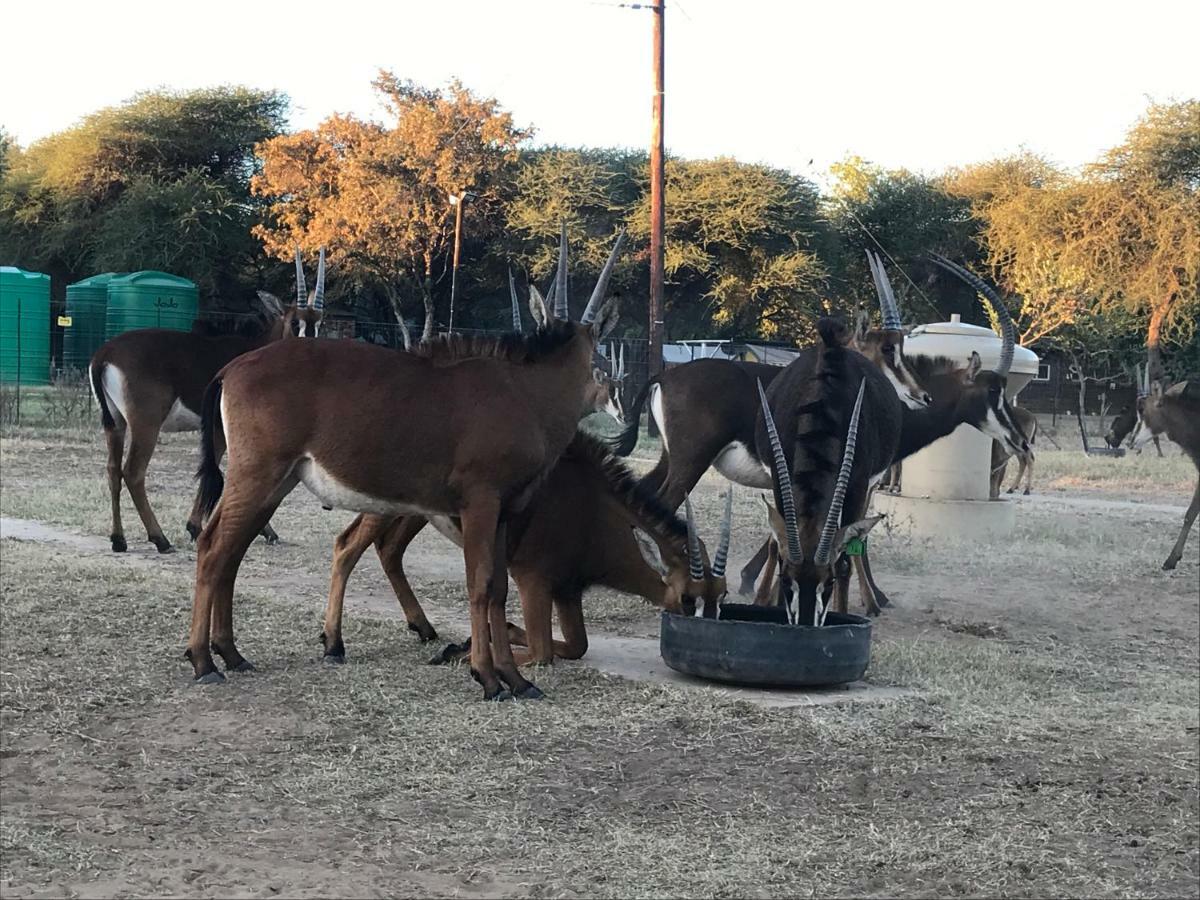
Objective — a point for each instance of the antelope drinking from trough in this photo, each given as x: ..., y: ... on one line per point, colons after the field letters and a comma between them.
x: 576, y: 532
x: 461, y: 427
x: 1175, y: 412
x: 152, y: 380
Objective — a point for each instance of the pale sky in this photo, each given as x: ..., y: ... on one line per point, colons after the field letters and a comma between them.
x: 918, y: 84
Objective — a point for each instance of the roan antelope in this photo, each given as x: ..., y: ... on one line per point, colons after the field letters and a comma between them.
x: 479, y: 423
x: 577, y: 532
x: 1175, y: 412
x: 152, y: 380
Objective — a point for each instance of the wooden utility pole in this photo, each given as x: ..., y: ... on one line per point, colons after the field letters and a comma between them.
x: 457, y: 200
x: 657, y: 221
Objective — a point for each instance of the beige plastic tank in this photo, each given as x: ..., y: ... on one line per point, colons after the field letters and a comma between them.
x: 945, y: 486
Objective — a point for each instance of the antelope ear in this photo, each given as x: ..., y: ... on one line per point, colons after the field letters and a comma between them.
x: 650, y: 552
x: 974, y: 365
x: 537, y: 307
x: 856, y: 530
x: 271, y: 303
x: 598, y: 375
x: 778, y: 526
x: 606, y: 320
x: 1176, y: 390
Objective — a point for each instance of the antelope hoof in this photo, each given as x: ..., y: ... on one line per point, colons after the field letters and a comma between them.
x: 424, y: 631
x: 163, y: 545
x: 334, y: 648
x: 498, y: 696
x: 244, y: 666
x: 452, y: 653
x: 1170, y: 564
x: 530, y: 692
x: 1026, y: 492
x: 271, y: 538
x: 334, y: 659
x: 193, y: 531
x: 213, y: 677
x: 118, y: 543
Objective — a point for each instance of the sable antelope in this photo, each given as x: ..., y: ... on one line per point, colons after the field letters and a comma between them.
x: 152, y: 380
x: 576, y: 532
x: 1001, y: 453
x: 479, y: 424
x: 1175, y: 412
x: 961, y: 396
x: 706, y: 410
x: 819, y: 504
x: 1126, y: 420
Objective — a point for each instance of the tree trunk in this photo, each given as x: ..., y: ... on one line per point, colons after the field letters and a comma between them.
x: 427, y: 296
x: 1153, y: 333
x: 1078, y: 370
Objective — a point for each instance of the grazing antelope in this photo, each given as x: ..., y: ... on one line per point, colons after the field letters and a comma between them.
x: 1175, y: 412
x: 479, y: 424
x: 152, y: 380
x: 1001, y: 453
x: 706, y: 410
x: 819, y: 503
x: 576, y: 532
x: 1126, y: 420
x: 961, y: 396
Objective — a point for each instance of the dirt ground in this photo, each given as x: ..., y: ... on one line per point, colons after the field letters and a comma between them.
x: 1050, y: 746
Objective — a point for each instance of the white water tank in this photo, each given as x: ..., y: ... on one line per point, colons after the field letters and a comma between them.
x: 946, y: 485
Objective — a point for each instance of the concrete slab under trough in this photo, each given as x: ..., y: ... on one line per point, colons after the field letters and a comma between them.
x: 639, y: 659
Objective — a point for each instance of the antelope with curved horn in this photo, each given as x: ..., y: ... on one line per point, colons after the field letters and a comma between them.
x: 152, y: 380
x: 578, y: 531
x: 479, y: 424
x: 1175, y: 412
x: 1124, y: 423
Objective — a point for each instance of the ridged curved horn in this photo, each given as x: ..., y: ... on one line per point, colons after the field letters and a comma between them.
x: 1008, y: 331
x: 888, y: 306
x: 718, y: 567
x: 561, y: 308
x: 834, y: 519
x: 695, y: 563
x: 516, y: 304
x: 621, y: 366
x: 301, y: 287
x: 795, y: 554
x: 593, y: 305
x: 318, y: 303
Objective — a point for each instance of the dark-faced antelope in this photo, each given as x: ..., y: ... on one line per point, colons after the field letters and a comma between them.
x: 707, y: 410
x: 152, y: 380
x: 1125, y: 421
x: 1002, y: 453
x: 577, y: 532
x: 839, y: 424
x: 1175, y: 412
x: 461, y: 427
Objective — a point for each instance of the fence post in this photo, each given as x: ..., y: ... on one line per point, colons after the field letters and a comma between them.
x: 18, y: 360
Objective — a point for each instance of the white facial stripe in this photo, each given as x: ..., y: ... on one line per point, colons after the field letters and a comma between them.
x: 615, y: 411
x: 902, y: 391
x: 303, y: 327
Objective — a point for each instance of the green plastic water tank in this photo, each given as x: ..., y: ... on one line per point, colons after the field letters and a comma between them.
x: 150, y: 300
x: 24, y: 326
x: 87, y: 301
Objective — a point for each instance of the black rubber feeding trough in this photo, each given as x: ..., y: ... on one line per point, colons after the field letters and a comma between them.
x: 755, y: 645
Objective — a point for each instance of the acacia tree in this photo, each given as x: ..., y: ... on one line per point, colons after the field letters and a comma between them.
x: 377, y: 195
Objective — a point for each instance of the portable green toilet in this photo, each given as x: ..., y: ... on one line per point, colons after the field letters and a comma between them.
x: 86, y: 304
x: 24, y: 326
x: 150, y: 300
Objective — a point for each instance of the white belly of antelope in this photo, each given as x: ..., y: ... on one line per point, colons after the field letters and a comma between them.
x: 737, y: 464
x: 336, y: 495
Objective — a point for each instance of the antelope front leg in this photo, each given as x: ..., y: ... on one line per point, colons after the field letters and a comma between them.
x: 1188, y: 518
x: 751, y: 570
x: 505, y: 662
x: 764, y: 596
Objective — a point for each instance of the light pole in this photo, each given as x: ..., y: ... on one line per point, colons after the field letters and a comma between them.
x: 457, y: 201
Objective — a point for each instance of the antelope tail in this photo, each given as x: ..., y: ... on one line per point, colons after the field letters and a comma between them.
x: 106, y: 417
x: 212, y: 482
x: 623, y: 443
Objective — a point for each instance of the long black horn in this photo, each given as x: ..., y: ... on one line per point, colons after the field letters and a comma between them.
x: 561, y: 308
x: 833, y: 520
x: 795, y: 554
x: 594, y: 301
x: 301, y: 287
x: 319, y: 291
x: 1008, y: 331
x: 695, y: 563
x: 718, y: 567
x: 516, y: 304
x: 887, y: 297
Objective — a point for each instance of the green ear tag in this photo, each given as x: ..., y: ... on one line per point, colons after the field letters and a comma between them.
x: 855, y: 547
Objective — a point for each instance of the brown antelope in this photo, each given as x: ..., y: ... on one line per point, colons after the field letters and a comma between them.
x: 1001, y: 453
x: 706, y: 410
x: 1175, y: 412
x: 152, y: 380
x: 576, y: 532
x: 479, y: 424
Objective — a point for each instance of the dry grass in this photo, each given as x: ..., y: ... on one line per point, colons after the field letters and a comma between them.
x: 1051, y: 750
